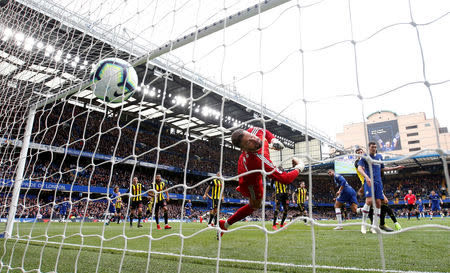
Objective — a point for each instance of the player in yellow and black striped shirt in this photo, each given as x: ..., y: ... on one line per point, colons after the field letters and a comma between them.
x: 281, y: 199
x: 151, y: 200
x: 215, y: 186
x: 118, y: 205
x: 137, y: 191
x: 360, y: 176
x: 300, y: 196
x: 161, y: 199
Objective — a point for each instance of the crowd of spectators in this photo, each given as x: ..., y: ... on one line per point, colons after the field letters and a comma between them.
x: 31, y: 206
x: 84, y: 130
x: 34, y: 207
x: 102, y: 175
x: 90, y: 131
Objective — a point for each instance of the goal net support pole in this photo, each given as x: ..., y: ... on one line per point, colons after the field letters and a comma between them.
x: 19, y: 173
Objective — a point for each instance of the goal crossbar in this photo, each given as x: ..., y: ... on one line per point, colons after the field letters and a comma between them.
x: 179, y: 42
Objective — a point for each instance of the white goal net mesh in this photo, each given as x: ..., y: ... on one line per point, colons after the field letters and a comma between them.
x: 303, y: 70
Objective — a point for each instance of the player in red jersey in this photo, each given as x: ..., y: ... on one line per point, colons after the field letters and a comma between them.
x: 254, y: 144
x: 410, y: 201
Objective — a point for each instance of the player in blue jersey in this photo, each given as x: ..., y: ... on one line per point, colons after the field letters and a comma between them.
x: 434, y: 203
x: 345, y: 194
x: 420, y: 212
x: 377, y: 168
x: 113, y: 209
x: 187, y: 210
x: 64, y: 209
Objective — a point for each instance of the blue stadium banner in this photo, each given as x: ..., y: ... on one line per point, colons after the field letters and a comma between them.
x: 26, y: 184
x: 60, y: 150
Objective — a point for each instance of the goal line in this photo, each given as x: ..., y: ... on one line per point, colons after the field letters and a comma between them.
x: 340, y: 268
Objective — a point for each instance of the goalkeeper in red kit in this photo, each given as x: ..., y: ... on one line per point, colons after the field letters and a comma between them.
x: 254, y: 144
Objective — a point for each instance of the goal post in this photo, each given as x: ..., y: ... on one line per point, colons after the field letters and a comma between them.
x: 19, y: 172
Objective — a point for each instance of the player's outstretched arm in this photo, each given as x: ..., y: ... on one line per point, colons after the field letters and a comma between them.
x: 393, y: 168
x: 206, y: 192
x: 167, y: 193
x: 280, y: 176
x: 367, y: 178
x: 298, y: 164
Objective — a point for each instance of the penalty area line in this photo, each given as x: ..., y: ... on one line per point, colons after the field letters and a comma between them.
x: 340, y: 268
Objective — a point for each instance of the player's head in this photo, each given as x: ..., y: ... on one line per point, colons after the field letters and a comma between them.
x: 135, y: 180
x: 331, y: 172
x: 372, y: 148
x: 420, y: 200
x: 410, y: 191
x: 302, y: 184
x: 359, y: 151
x: 158, y: 178
x: 218, y: 174
x: 246, y: 141
x: 116, y: 189
x: 433, y: 192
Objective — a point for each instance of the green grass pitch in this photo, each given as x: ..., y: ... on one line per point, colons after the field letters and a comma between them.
x: 426, y: 249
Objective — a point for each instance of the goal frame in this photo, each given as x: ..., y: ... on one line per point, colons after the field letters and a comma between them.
x: 167, y: 47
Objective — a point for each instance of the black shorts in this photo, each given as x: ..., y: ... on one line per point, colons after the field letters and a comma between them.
x: 215, y: 203
x: 410, y: 207
x: 149, y: 211
x: 136, y: 204
x: 161, y: 204
x: 118, y: 210
x: 301, y: 207
x: 282, y: 199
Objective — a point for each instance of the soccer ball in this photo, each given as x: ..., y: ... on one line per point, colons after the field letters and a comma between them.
x: 114, y: 80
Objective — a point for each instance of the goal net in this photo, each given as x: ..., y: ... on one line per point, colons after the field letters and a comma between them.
x: 302, y: 70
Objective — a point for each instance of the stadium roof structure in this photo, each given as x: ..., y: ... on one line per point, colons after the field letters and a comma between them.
x: 69, y: 45
x: 382, y: 111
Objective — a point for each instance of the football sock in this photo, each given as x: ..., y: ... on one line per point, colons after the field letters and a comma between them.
x: 376, y: 216
x: 284, y: 218
x: 210, y: 218
x: 390, y: 213
x: 239, y: 215
x: 365, y: 212
x: 166, y: 217
x: 338, y: 215
x: 384, y: 209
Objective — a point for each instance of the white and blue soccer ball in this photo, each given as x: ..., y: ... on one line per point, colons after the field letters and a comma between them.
x: 114, y: 80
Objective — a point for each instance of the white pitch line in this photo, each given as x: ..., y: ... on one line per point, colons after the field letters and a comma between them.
x: 342, y: 268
